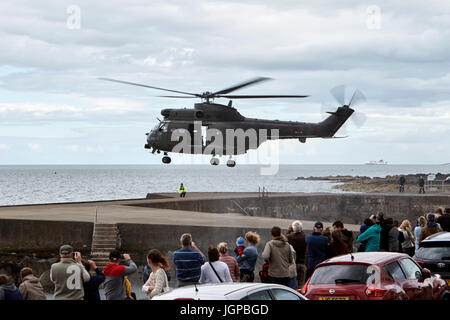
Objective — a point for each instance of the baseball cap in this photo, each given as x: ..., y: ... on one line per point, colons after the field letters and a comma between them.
x: 66, y: 249
x: 240, y: 242
x: 318, y: 225
x: 115, y: 255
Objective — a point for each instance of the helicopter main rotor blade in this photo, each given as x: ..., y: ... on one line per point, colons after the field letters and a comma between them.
x: 241, y: 85
x: 177, y: 96
x: 258, y: 96
x: 146, y: 86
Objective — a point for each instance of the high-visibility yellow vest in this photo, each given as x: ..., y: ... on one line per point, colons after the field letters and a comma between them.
x: 181, y: 190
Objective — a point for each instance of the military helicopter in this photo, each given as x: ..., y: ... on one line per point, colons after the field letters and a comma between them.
x: 218, y: 120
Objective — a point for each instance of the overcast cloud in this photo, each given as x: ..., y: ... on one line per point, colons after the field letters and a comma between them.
x: 53, y: 110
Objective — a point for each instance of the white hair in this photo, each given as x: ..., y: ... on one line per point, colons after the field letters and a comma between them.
x: 297, y: 226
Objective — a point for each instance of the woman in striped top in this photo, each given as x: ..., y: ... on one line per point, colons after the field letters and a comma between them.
x: 229, y: 260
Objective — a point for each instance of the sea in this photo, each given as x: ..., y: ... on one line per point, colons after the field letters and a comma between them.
x: 37, y: 184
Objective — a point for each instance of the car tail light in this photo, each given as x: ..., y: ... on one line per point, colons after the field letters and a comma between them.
x: 305, y: 288
x: 371, y: 291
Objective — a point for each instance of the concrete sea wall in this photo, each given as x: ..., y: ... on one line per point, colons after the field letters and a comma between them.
x: 349, y: 207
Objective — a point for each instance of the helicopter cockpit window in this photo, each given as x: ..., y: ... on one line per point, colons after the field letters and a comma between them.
x: 163, y: 126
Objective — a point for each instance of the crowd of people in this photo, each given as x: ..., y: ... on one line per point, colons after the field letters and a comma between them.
x: 289, y: 259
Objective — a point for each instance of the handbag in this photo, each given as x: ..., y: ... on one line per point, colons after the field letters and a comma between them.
x: 215, y: 272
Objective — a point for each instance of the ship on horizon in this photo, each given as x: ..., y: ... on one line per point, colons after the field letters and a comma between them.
x: 374, y: 162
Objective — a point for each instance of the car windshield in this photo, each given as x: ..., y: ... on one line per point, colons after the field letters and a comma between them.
x: 433, y: 253
x: 340, y: 274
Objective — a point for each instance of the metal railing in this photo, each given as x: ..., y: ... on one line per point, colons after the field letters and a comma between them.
x: 263, y: 192
x: 437, y: 185
x: 243, y: 210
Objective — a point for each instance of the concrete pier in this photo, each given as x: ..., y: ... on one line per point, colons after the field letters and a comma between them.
x: 159, y: 220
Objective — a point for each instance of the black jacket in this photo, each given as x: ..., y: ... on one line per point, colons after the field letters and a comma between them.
x: 444, y: 221
x: 91, y: 287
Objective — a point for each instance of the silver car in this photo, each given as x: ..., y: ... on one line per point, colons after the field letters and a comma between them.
x: 232, y: 291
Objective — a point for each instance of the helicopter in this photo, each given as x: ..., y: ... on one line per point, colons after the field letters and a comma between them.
x: 183, y: 130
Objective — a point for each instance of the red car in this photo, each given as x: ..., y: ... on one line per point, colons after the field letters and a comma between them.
x: 374, y: 276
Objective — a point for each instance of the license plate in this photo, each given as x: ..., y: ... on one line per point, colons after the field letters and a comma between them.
x: 334, y: 298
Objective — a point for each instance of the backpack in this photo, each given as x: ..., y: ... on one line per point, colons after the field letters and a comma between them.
x: 264, y: 273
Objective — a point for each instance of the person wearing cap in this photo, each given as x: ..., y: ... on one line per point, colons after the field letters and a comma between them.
x: 240, y: 246
x: 115, y: 274
x: 68, y: 275
x: 316, y: 248
x: 372, y: 235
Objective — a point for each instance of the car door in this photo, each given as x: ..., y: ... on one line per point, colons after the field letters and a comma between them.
x: 414, y: 285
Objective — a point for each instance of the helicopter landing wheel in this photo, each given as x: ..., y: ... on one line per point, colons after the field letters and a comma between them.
x: 231, y: 163
x: 214, y: 161
x: 166, y: 160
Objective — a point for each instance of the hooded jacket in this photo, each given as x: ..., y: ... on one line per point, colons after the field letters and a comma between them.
x: 11, y: 292
x: 114, y: 279
x: 372, y: 236
x: 278, y: 253
x: 31, y: 288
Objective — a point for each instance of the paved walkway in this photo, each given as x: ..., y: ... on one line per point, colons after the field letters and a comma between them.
x: 122, y: 211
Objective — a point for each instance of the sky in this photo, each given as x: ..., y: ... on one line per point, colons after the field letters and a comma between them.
x: 54, y: 110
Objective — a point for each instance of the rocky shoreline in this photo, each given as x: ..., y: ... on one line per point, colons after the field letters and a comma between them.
x: 375, y: 184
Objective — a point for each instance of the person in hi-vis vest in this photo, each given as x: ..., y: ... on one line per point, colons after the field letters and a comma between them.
x: 182, y: 191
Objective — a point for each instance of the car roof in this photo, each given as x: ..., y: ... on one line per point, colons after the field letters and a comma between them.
x: 376, y: 257
x: 211, y: 289
x: 440, y: 236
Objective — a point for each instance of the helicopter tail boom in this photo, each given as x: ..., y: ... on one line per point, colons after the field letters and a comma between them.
x: 335, y: 121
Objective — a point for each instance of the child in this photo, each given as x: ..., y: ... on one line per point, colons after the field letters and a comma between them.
x: 239, y: 246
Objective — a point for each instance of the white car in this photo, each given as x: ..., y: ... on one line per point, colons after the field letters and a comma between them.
x: 232, y: 291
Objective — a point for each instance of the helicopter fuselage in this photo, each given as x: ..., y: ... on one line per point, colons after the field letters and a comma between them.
x: 211, y: 128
